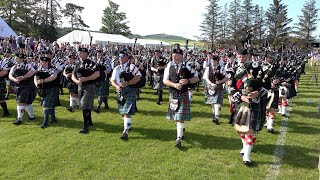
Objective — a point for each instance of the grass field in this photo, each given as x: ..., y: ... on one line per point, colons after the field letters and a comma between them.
x: 209, y: 151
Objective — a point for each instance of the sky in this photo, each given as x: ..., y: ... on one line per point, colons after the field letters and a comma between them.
x: 174, y: 17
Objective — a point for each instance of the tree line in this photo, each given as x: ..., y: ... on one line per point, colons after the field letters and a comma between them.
x: 42, y: 18
x: 230, y: 24
x: 225, y: 25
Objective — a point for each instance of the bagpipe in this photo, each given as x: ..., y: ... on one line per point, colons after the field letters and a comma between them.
x: 185, y: 73
x: 128, y: 74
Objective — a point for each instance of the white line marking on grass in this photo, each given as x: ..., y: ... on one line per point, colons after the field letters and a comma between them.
x: 274, y: 168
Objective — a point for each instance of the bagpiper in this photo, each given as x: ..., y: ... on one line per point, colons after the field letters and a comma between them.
x: 22, y: 74
x: 250, y: 99
x: 177, y: 76
x: 215, y: 77
x: 85, y: 75
x: 124, y: 78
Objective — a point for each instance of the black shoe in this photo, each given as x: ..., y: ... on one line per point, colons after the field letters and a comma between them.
x: 31, y: 119
x: 247, y: 163
x: 270, y: 131
x: 70, y: 109
x: 178, y: 143
x: 106, y: 107
x: 6, y: 98
x: 97, y: 110
x: 284, y: 115
x: 216, y: 121
x: 43, y: 126
x: 84, y: 131
x: 124, y: 136
x: 158, y: 102
x: 17, y: 122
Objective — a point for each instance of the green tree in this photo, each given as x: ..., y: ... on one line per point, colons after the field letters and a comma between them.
x: 72, y: 11
x: 278, y: 23
x: 307, y: 22
x: 247, y: 13
x: 114, y: 22
x: 234, y: 18
x: 259, y: 25
x: 211, y: 26
x: 37, y: 18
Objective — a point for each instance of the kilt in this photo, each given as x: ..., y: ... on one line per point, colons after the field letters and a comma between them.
x: 216, y: 98
x: 3, y: 90
x: 86, y: 93
x: 50, y: 100
x: 103, y: 89
x: 275, y: 101
x: 183, y: 111
x: 258, y: 113
x: 291, y: 91
x: 73, y: 88
x: 26, y: 94
x: 129, y: 107
x: 158, y: 82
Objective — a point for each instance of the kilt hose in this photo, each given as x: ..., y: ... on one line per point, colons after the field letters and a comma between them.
x: 217, y: 98
x: 50, y: 100
x: 26, y: 94
x: 129, y: 106
x: 86, y: 93
x: 183, y: 111
x: 3, y: 90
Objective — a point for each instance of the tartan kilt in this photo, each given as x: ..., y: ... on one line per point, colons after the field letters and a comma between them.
x: 86, y: 93
x: 72, y: 88
x: 158, y: 82
x: 291, y: 91
x: 129, y: 107
x: 26, y: 94
x: 51, y: 98
x: 214, y: 99
x: 3, y: 90
x: 183, y: 111
x: 103, y: 89
x: 258, y: 113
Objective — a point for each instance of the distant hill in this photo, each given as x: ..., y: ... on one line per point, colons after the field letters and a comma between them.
x: 165, y: 36
x: 171, y: 39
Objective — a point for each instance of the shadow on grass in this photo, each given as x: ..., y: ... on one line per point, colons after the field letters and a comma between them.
x: 303, y: 160
x: 314, y: 114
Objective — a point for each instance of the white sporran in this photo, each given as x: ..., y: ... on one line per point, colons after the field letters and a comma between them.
x: 174, y: 104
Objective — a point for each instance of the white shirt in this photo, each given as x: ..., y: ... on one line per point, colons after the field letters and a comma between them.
x: 172, y: 63
x: 117, y: 70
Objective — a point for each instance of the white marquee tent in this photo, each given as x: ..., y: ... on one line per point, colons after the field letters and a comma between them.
x: 83, y: 37
x: 5, y: 29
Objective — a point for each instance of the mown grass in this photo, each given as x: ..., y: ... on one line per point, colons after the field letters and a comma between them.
x: 209, y: 151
